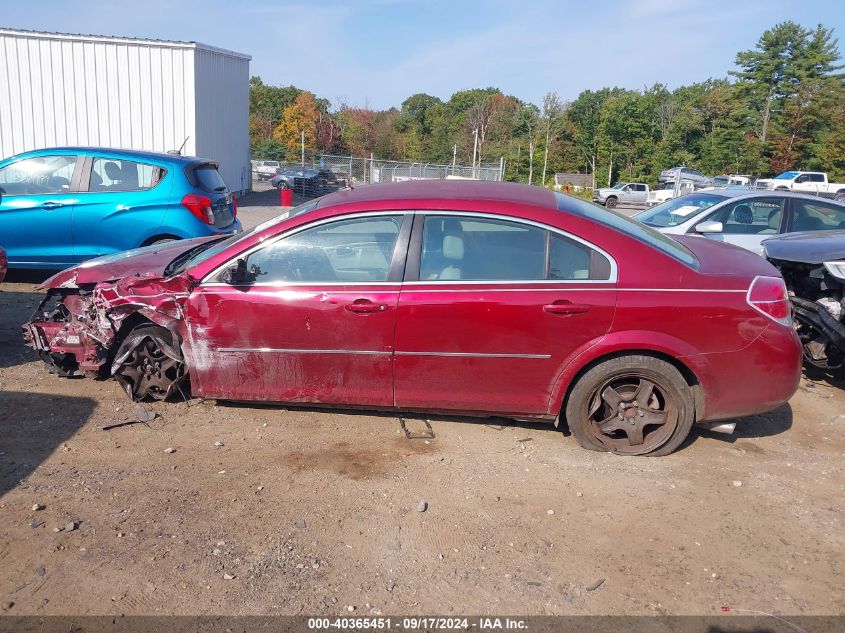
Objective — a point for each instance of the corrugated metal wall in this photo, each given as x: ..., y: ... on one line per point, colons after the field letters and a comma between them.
x: 58, y: 89
x: 222, y: 114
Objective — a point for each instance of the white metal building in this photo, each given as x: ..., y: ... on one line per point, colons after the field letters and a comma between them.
x: 59, y: 89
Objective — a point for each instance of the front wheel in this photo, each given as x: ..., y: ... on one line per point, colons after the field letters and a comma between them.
x: 149, y: 366
x: 631, y: 405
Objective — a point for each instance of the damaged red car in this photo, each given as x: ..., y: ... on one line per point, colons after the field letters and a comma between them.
x: 480, y: 298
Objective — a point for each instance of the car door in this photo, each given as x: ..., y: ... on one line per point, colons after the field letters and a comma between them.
x: 638, y: 194
x: 749, y: 221
x: 37, y: 196
x: 491, y: 310
x: 122, y: 201
x: 314, y: 320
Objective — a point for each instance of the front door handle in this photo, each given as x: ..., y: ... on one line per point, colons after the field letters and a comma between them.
x: 365, y: 306
x: 565, y: 307
x: 51, y: 204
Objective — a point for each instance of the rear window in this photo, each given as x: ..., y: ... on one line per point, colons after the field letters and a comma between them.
x: 208, y: 178
x: 626, y: 225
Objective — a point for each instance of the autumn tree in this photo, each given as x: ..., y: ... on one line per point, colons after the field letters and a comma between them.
x: 299, y: 117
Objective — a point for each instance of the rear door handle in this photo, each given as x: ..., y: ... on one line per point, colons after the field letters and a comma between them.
x: 365, y: 306
x: 565, y: 307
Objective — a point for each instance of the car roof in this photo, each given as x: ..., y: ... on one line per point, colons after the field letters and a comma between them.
x: 113, y: 152
x: 759, y: 193
x: 444, y: 190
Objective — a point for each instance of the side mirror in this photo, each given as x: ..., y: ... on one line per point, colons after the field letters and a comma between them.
x: 237, y: 275
x: 709, y: 226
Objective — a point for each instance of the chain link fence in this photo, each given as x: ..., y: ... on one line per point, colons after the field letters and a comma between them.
x: 323, y: 173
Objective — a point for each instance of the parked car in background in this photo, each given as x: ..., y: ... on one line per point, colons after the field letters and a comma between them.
x: 684, y: 173
x: 744, y: 217
x: 265, y: 169
x: 814, y: 182
x: 61, y: 206
x: 389, y: 292
x: 666, y: 191
x: 731, y: 180
x: 813, y: 266
x: 306, y: 181
x: 3, y: 264
x: 622, y: 193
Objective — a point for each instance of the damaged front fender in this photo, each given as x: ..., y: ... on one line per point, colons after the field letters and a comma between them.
x: 85, y: 329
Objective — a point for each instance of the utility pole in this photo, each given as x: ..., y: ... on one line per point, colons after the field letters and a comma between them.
x: 454, y: 157
x: 302, y: 144
x: 501, y: 168
x: 474, y: 150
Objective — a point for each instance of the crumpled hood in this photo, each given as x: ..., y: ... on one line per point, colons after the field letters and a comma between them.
x: 810, y: 247
x: 147, y: 261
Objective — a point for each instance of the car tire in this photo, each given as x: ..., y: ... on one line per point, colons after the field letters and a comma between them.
x: 163, y: 240
x: 611, y: 203
x: 604, y: 414
x: 149, y: 366
x: 840, y: 196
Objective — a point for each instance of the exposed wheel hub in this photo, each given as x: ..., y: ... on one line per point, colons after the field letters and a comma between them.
x: 631, y: 414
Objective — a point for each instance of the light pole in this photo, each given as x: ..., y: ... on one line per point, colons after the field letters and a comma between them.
x: 474, y: 150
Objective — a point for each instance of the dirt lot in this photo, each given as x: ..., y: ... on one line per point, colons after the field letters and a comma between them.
x: 268, y: 510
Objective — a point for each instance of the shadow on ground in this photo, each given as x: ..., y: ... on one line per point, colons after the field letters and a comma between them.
x: 752, y: 426
x: 32, y: 426
x: 15, y: 310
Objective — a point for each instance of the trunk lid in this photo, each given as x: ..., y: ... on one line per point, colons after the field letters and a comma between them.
x: 719, y: 258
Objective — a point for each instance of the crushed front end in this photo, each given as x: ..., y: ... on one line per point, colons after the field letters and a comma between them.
x: 131, y: 329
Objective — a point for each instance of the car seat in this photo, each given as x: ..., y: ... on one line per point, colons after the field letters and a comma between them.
x: 773, y: 222
x: 448, y: 263
x: 113, y: 173
x: 743, y: 214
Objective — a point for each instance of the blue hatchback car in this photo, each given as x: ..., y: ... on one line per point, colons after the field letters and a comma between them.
x: 61, y: 206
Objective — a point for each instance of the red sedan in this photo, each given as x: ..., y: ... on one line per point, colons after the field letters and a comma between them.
x: 3, y: 264
x: 481, y: 298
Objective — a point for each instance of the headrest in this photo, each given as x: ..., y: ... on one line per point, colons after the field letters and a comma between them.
x: 453, y: 247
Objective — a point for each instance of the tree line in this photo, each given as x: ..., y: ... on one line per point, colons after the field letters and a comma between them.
x: 782, y: 107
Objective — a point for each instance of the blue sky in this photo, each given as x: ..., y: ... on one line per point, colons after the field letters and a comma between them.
x: 377, y: 52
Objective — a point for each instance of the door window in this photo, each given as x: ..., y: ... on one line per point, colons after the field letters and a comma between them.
x: 458, y: 248
x: 111, y: 174
x: 356, y: 250
x: 41, y: 175
x: 812, y: 215
x: 756, y: 216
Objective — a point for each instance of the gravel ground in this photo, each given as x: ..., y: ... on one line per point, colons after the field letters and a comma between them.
x: 216, y: 508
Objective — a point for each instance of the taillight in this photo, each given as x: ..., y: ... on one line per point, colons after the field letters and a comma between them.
x: 200, y: 206
x: 768, y: 296
x: 234, y: 206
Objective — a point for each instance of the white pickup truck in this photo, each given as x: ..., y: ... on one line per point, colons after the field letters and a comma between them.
x: 622, y: 192
x: 812, y: 182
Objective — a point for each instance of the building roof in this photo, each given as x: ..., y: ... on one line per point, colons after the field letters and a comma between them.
x: 445, y: 190
x: 76, y: 37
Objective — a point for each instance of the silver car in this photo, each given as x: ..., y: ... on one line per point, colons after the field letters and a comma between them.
x: 743, y: 217
x: 685, y: 173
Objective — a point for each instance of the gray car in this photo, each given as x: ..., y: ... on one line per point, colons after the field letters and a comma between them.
x: 685, y: 173
x: 743, y: 217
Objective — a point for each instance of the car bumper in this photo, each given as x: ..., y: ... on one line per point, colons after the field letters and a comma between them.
x: 757, y: 378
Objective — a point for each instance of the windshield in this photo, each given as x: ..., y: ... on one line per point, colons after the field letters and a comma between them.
x: 678, y: 210
x: 210, y: 249
x: 619, y: 185
x: 787, y: 175
x: 626, y: 225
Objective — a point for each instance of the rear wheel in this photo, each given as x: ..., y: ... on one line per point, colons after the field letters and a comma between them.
x: 149, y: 366
x: 611, y: 203
x: 631, y: 405
x: 840, y: 196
